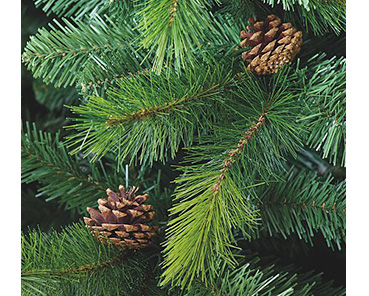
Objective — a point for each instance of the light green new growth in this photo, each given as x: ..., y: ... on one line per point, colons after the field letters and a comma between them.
x: 213, y: 193
x: 196, y: 236
x: 173, y: 30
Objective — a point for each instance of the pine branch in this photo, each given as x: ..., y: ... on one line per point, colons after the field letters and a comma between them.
x: 317, y: 16
x: 243, y: 127
x: 147, y: 117
x: 307, y: 4
x: 262, y: 278
x: 217, y: 180
x: 163, y: 23
x: 202, y: 229
x: 179, y: 33
x: 66, y: 54
x: 321, y: 18
x: 69, y: 8
x: 75, y: 183
x: 222, y: 43
x: 326, y: 108
x: 72, y: 262
x: 312, y: 283
x: 245, y: 280
x: 305, y: 204
x: 239, y: 10
x: 82, y: 9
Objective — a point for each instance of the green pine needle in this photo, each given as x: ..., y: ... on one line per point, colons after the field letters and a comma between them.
x: 87, y: 54
x: 305, y: 204
x: 72, y: 181
x: 73, y: 262
x: 147, y: 117
x: 213, y: 197
x: 326, y: 108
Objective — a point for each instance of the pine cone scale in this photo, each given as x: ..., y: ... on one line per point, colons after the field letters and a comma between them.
x: 270, y: 35
x: 273, y: 43
x: 119, y: 214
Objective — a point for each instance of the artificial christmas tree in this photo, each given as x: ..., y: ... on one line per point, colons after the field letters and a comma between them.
x: 241, y: 148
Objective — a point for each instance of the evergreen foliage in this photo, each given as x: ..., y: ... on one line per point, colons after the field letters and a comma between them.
x: 318, y: 16
x: 307, y: 4
x: 163, y: 23
x: 77, y: 9
x: 70, y: 7
x: 305, y: 204
x: 326, y: 108
x: 71, y: 181
x: 257, y: 277
x: 311, y: 16
x: 88, y: 54
x: 211, y: 195
x: 72, y: 262
x: 321, y: 17
x: 155, y: 94
x: 147, y: 117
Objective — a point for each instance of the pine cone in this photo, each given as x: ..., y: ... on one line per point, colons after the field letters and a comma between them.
x: 273, y: 45
x: 122, y: 219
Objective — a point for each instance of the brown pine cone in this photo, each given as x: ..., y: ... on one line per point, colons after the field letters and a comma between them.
x: 122, y: 219
x: 273, y: 45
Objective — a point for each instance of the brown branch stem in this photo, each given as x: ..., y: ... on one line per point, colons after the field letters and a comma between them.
x: 75, y: 270
x: 173, y: 11
x: 313, y: 205
x: 142, y: 114
x: 59, y: 170
x: 234, y: 153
